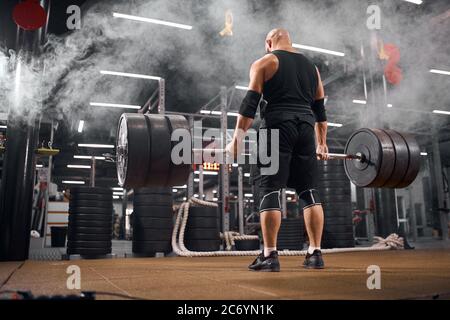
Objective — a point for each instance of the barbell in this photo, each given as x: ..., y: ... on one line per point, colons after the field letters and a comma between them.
x: 373, y: 158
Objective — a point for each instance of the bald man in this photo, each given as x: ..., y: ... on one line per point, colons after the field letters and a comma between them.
x: 291, y: 85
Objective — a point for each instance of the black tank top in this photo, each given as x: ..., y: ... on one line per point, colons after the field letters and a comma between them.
x: 292, y: 89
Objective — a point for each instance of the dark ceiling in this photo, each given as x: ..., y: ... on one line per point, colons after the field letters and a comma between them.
x: 343, y: 79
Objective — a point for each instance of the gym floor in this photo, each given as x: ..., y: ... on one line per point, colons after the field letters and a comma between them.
x: 405, y: 274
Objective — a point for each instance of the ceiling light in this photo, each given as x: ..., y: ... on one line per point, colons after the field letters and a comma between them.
x: 175, y: 190
x: 129, y: 75
x: 180, y: 187
x: 447, y: 73
x: 423, y: 153
x: 116, y: 197
x: 89, y: 157
x: 233, y: 114
x: 3, y: 127
x: 415, y: 1
x: 149, y: 20
x: 441, y: 112
x: 205, y: 112
x: 118, y: 189
x: 196, y: 180
x: 215, y: 199
x: 290, y: 192
x: 93, y: 145
x: 80, y: 126
x: 114, y: 105
x: 206, y: 173
x: 217, y: 113
x: 248, y: 195
x: 77, y: 166
x: 360, y: 101
x: 247, y: 175
x: 304, y: 47
x: 118, y: 193
x: 235, y: 165
x: 72, y: 182
x: 332, y: 124
x: 39, y: 166
x: 389, y: 105
x: 242, y: 88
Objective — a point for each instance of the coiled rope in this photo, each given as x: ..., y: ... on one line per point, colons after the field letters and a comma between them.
x: 393, y: 241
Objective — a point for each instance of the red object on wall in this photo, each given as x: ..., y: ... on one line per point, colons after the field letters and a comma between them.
x: 29, y: 15
x: 392, y: 72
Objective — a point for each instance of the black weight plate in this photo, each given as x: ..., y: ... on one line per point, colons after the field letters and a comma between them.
x: 339, y: 170
x: 147, y: 234
x: 338, y: 228
x: 379, y: 151
x: 91, y: 203
x: 149, y: 222
x: 337, y: 205
x: 132, y: 150
x: 333, y: 176
x: 330, y: 163
x: 338, y: 214
x: 89, y: 244
x: 89, y: 251
x: 330, y: 198
x: 414, y: 161
x: 401, y: 159
x: 89, y: 210
x: 151, y: 246
x: 153, y: 190
x: 153, y: 200
x: 338, y: 244
x: 290, y: 246
x: 92, y: 197
x: 88, y: 237
x: 333, y: 191
x: 202, y: 222
x: 178, y: 173
x: 202, y: 234
x: 89, y: 216
x: 89, y: 230
x: 247, y: 245
x: 90, y: 190
x: 203, y: 212
x: 90, y: 223
x: 153, y: 211
x: 333, y: 184
x: 338, y: 220
x: 160, y: 156
x: 202, y: 245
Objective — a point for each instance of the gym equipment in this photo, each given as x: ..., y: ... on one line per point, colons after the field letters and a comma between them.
x: 90, y: 221
x: 152, y: 221
x: 373, y: 158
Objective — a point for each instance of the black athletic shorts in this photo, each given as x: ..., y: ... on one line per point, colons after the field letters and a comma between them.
x: 297, y: 157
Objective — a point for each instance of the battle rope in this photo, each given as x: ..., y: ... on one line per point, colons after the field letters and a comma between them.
x: 393, y: 241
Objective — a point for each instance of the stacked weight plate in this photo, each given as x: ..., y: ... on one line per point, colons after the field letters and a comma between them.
x: 90, y: 221
x: 202, y: 231
x: 152, y: 221
x: 334, y: 190
x: 291, y: 234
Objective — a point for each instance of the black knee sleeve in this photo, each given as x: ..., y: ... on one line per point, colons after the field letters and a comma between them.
x: 270, y: 200
x: 309, y: 198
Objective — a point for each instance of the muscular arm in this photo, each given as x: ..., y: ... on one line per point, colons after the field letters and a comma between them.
x: 321, y: 127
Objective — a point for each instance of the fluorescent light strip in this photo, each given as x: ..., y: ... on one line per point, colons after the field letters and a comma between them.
x: 205, y: 112
x: 247, y: 175
x: 248, y: 195
x: 447, y: 73
x: 118, y: 193
x: 360, y: 101
x: 89, y: 157
x: 242, y: 88
x: 208, y: 173
x: 118, y: 189
x: 441, y: 112
x: 337, y: 125
x: 180, y: 187
x: 77, y: 166
x: 233, y: 114
x: 415, y: 1
x: 423, y: 153
x: 116, y: 197
x: 149, y: 20
x: 310, y: 48
x: 73, y: 182
x: 175, y: 190
x: 93, y: 145
x: 39, y: 166
x: 129, y: 75
x: 114, y: 105
x: 3, y: 127
x: 80, y: 126
x: 389, y: 105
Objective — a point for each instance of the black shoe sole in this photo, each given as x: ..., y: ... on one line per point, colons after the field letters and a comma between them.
x: 265, y: 270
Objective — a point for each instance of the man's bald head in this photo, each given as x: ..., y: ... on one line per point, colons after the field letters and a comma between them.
x: 276, y: 38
